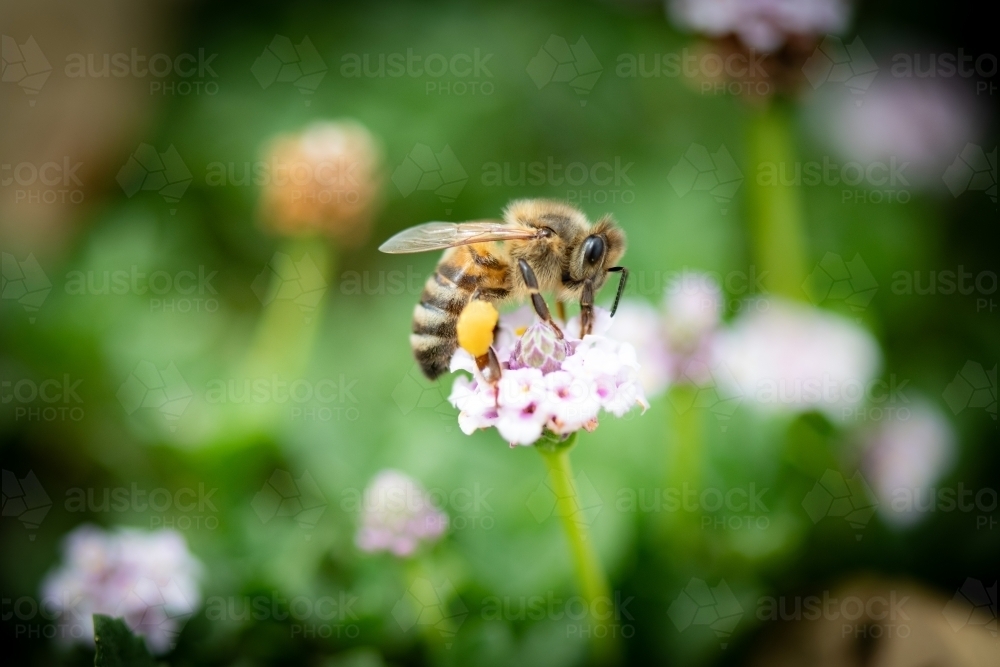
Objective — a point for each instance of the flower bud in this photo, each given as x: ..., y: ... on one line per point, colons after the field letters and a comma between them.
x: 540, y: 348
x: 324, y: 179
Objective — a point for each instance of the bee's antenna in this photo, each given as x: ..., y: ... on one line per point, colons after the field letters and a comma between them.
x: 621, y: 285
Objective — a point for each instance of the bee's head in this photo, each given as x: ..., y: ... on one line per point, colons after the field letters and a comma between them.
x: 575, y: 249
x: 599, y: 251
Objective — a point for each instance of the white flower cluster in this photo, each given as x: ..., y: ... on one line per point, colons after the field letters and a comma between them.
x: 149, y: 579
x: 559, y: 385
x: 676, y: 344
x: 398, y: 515
x: 764, y: 25
x: 778, y: 356
x: 904, y: 457
x: 791, y: 357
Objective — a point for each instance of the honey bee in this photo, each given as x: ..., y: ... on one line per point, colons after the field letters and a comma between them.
x: 539, y: 246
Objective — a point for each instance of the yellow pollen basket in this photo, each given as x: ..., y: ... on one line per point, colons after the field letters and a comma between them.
x: 475, y: 327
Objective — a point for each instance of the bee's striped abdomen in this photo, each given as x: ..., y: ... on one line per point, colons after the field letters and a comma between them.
x: 463, y: 272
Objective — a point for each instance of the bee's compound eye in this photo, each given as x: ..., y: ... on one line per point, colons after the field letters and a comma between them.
x: 593, y: 250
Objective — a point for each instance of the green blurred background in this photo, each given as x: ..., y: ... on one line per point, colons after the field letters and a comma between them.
x: 502, y: 541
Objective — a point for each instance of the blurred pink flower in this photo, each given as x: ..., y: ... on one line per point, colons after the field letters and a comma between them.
x: 904, y: 456
x: 548, y: 384
x: 916, y: 127
x: 788, y: 357
x: 150, y: 579
x: 398, y: 515
x: 764, y: 25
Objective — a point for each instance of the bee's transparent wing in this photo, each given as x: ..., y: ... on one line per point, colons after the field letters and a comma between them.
x: 438, y: 235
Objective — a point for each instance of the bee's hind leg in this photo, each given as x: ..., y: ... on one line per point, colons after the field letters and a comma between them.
x: 541, y: 308
x: 489, y: 366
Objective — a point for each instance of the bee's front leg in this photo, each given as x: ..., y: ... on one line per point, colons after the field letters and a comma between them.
x: 587, y: 308
x: 541, y: 308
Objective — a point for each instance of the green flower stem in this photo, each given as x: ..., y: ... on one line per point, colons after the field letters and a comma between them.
x: 775, y: 208
x: 590, y: 576
x: 282, y: 342
x: 684, y: 465
x: 420, y: 579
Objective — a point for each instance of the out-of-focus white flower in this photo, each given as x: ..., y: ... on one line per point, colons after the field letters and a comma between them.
x: 640, y: 324
x: 790, y: 357
x: 675, y: 345
x: 693, y: 309
x: 150, y: 579
x: 546, y: 383
x: 904, y: 456
x: 915, y: 127
x: 398, y: 515
x: 764, y: 25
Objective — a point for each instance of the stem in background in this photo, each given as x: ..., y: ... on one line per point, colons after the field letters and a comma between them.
x: 286, y: 331
x: 775, y: 208
x: 684, y: 464
x: 590, y: 576
x: 422, y: 592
